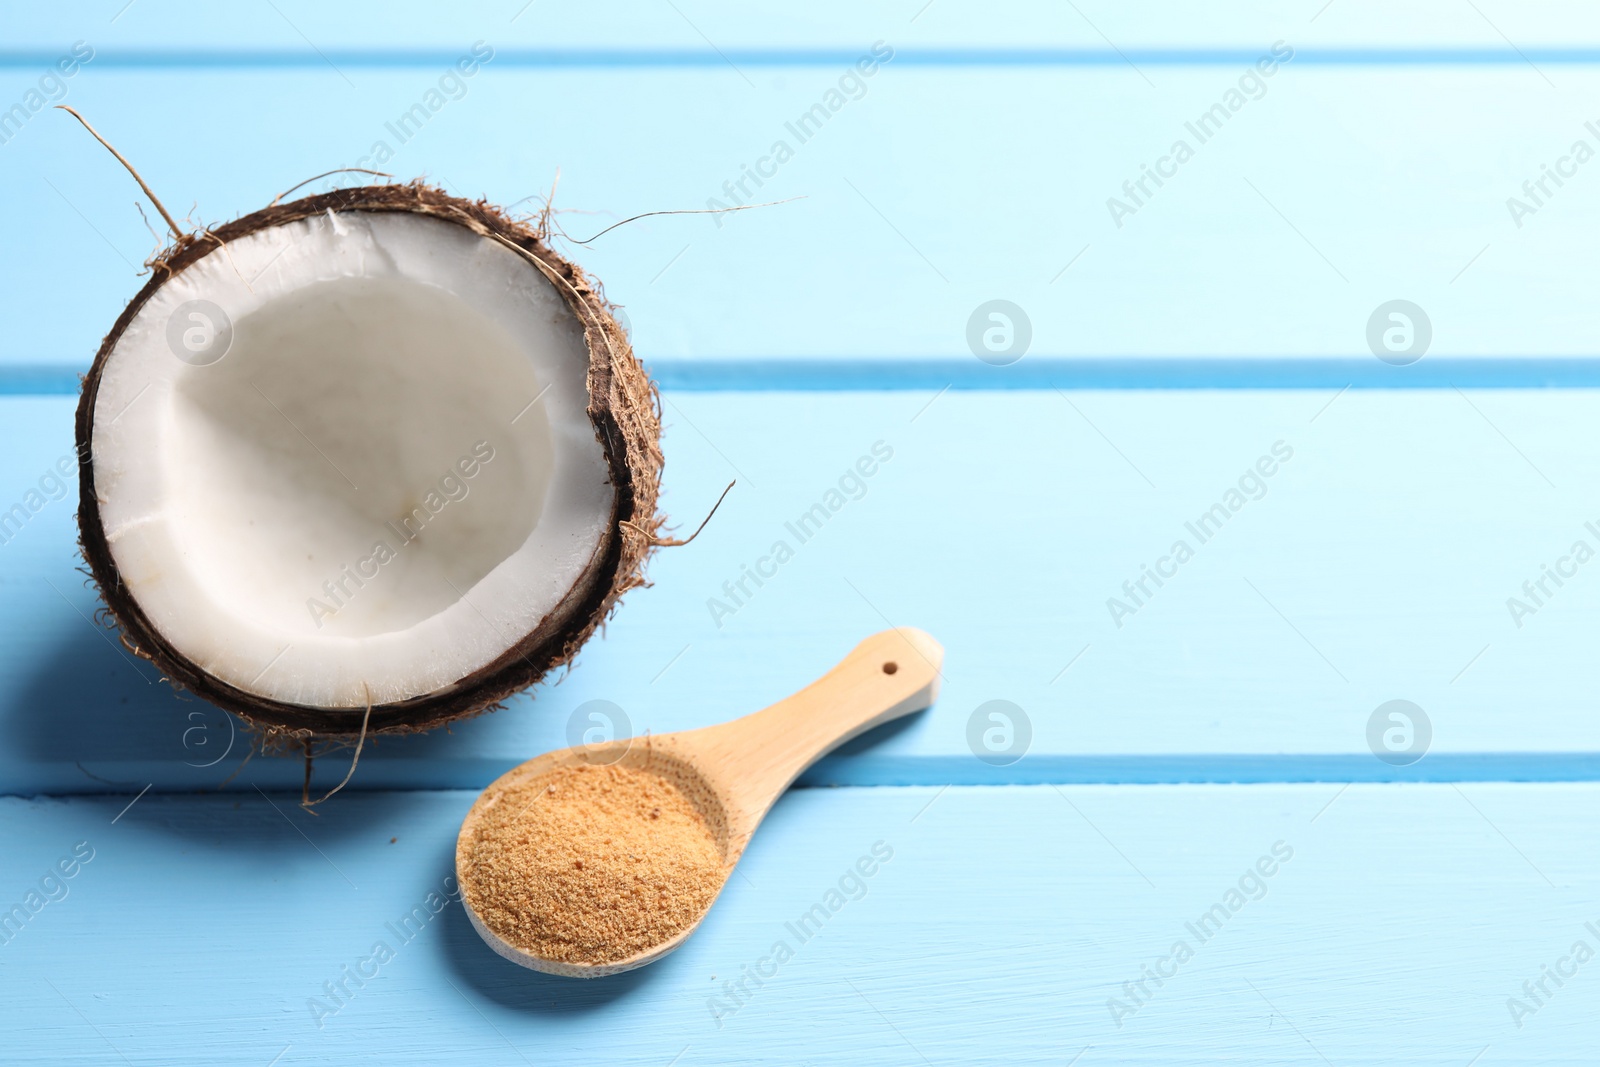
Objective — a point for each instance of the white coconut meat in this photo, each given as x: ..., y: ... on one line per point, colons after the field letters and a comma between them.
x: 387, y: 480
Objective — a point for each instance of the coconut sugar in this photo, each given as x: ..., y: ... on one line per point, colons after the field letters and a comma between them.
x: 590, y: 864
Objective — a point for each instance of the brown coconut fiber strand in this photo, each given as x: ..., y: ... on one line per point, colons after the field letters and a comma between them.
x: 591, y: 864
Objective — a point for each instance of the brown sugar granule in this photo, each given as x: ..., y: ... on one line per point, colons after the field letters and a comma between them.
x: 592, y: 864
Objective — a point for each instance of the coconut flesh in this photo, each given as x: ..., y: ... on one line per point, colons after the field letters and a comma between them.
x: 353, y: 459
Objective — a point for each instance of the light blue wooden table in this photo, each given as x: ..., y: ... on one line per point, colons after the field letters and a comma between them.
x: 1206, y: 851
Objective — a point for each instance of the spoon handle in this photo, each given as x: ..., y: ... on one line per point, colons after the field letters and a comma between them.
x: 890, y: 674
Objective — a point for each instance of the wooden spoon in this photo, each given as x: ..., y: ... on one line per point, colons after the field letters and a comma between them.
x: 734, y: 771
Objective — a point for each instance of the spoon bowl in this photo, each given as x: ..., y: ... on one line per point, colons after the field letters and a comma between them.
x: 732, y: 772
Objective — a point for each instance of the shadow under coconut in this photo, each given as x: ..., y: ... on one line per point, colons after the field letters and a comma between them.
x: 350, y: 834
x: 101, y: 720
x: 89, y: 717
x: 94, y: 718
x: 89, y: 700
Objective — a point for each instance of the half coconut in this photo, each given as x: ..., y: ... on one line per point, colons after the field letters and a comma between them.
x: 378, y: 455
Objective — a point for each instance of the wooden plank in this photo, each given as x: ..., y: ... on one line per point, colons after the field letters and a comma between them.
x: 1312, y: 207
x: 1377, y: 565
x: 301, y: 25
x: 925, y: 376
x: 1005, y: 921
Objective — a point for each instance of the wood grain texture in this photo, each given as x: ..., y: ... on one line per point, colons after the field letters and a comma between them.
x: 1377, y: 566
x: 997, y: 930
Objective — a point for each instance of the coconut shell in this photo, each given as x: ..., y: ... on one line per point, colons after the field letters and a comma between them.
x: 624, y: 408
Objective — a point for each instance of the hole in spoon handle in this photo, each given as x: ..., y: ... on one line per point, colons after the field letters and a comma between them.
x: 890, y: 674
